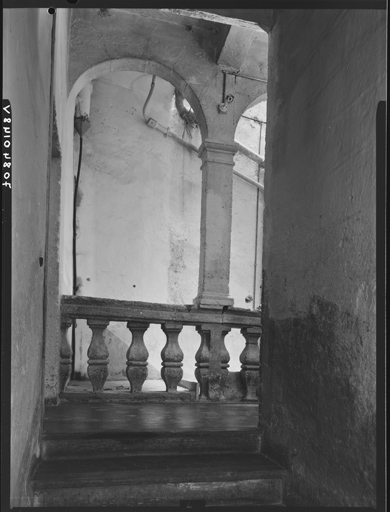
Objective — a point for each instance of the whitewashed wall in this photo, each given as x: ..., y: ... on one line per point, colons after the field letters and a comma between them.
x: 139, y: 215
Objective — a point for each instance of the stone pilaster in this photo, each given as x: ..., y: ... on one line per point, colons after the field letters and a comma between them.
x: 215, y: 224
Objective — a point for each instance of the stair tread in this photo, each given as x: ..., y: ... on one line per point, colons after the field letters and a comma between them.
x: 119, y: 434
x: 77, y: 445
x: 155, y: 469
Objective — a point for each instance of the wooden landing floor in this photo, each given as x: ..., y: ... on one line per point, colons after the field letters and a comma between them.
x: 76, y: 417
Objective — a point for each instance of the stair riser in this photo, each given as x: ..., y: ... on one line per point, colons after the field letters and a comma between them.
x: 243, y: 492
x: 97, y: 448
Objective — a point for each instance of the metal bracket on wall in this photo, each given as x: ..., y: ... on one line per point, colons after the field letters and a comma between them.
x: 245, y: 76
x: 228, y: 90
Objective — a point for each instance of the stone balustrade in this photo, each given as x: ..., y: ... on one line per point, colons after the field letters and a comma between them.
x: 211, y: 360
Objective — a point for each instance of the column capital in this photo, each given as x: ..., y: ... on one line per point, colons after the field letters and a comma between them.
x: 217, y: 151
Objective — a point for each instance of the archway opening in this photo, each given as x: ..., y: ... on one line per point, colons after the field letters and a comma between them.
x: 138, y: 211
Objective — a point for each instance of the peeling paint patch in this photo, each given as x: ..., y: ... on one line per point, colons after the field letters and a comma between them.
x: 176, y: 267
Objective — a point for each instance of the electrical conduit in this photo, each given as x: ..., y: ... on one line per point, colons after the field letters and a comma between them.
x: 167, y: 132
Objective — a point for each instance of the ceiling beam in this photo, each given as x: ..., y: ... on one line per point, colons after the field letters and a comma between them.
x: 223, y: 16
x: 263, y: 18
x: 235, y: 48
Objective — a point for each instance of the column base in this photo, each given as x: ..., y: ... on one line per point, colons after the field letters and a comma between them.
x: 212, y: 301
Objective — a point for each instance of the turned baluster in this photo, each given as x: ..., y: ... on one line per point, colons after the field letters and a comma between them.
x: 97, y: 354
x: 212, y: 346
x: 137, y: 356
x: 65, y: 354
x: 172, y: 357
x: 225, y: 358
x: 202, y: 358
x: 250, y: 359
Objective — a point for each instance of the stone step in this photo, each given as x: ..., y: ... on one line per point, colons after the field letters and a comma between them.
x: 159, y: 480
x: 81, y: 445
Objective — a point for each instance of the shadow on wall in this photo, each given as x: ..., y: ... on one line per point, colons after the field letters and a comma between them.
x: 319, y: 414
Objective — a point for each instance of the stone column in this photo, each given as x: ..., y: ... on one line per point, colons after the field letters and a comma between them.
x: 215, y: 224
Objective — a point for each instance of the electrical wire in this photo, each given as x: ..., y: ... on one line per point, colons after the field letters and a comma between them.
x: 149, y: 96
x: 76, y: 187
x: 77, y: 180
x: 254, y: 119
x: 245, y: 76
x: 167, y: 132
x: 161, y: 128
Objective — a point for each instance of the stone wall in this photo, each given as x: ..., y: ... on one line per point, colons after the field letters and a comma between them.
x: 327, y: 73
x: 27, y: 73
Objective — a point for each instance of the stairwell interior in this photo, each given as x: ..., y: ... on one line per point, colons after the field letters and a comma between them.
x: 166, y: 349
x: 134, y: 427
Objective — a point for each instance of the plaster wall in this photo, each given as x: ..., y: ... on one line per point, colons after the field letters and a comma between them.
x: 64, y: 110
x: 61, y: 66
x: 26, y: 83
x: 139, y: 215
x: 327, y: 72
x: 55, y: 271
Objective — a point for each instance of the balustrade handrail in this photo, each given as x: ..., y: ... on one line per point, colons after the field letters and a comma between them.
x: 212, y: 357
x: 122, y: 310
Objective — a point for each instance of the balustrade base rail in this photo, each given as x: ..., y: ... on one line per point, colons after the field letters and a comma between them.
x: 119, y: 391
x: 137, y: 397
x: 215, y: 381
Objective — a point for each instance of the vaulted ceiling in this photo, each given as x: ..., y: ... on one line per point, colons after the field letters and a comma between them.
x: 205, y: 56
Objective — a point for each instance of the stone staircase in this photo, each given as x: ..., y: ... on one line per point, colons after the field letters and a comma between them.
x: 205, y: 463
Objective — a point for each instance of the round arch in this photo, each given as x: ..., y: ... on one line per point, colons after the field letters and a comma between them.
x: 67, y: 147
x: 259, y: 99
x: 141, y: 66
